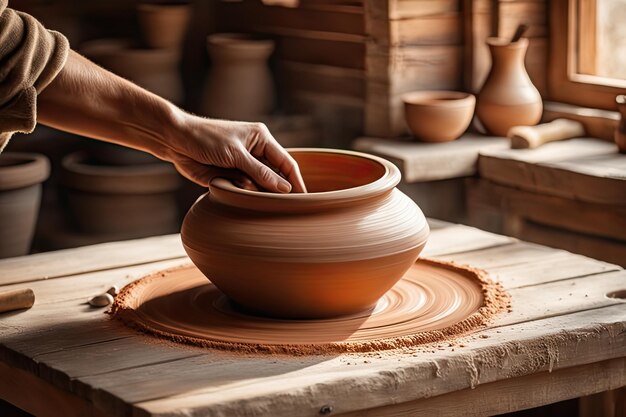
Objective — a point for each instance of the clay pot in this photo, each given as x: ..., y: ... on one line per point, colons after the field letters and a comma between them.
x: 620, y: 132
x: 333, y: 251
x: 438, y: 116
x: 508, y: 98
x: 240, y: 85
x: 128, y: 201
x: 163, y: 25
x: 21, y: 175
x: 153, y: 69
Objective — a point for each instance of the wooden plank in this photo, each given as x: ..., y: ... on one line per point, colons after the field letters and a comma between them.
x: 411, y: 68
x: 90, y: 258
x: 254, y: 16
x: 530, y: 12
x: 583, y: 169
x: 420, y: 161
x: 343, y: 82
x: 37, y: 397
x: 404, y: 9
x: 501, y: 353
x: 479, y: 23
x: 603, y: 220
x: 302, y: 47
x: 513, y: 394
x: 442, y: 29
x: 605, y: 249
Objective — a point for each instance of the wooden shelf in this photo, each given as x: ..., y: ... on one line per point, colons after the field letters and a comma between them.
x: 422, y: 162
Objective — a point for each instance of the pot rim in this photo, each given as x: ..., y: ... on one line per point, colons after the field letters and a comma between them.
x: 439, y: 98
x: 222, y: 189
x: 239, y: 40
x: 151, y: 178
x: 29, y: 169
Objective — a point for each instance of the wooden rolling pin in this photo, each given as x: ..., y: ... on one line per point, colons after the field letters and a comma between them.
x: 533, y: 136
x: 16, y: 300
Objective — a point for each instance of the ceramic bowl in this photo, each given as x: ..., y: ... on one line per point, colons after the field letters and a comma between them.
x: 333, y: 251
x: 438, y: 116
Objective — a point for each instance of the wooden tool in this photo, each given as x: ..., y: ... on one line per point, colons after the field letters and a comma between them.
x: 533, y: 136
x: 16, y: 299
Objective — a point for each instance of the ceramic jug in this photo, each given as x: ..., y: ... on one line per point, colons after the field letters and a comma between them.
x: 332, y: 251
x: 620, y: 132
x: 240, y: 85
x: 508, y: 98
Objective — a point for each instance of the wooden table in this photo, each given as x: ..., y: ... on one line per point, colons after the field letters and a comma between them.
x: 564, y: 338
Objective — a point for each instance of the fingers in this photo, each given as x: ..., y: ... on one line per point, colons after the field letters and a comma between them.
x: 263, y: 175
x: 203, y: 174
x: 280, y: 159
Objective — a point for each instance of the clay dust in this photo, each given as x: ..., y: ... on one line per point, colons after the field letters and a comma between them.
x: 435, y: 301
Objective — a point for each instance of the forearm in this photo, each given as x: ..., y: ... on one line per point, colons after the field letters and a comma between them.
x: 90, y: 101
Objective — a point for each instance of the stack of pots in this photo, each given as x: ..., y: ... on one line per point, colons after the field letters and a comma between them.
x: 154, y: 62
x: 116, y: 194
x: 21, y: 175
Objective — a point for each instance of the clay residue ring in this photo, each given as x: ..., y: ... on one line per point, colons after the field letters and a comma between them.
x: 432, y: 302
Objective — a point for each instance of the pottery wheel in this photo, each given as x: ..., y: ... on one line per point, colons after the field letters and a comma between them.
x: 433, y: 301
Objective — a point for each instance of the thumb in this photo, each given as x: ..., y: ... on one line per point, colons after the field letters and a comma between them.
x: 263, y: 175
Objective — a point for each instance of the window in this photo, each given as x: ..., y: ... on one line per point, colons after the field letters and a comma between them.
x: 588, y: 52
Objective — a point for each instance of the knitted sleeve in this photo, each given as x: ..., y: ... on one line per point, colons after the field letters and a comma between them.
x: 30, y: 57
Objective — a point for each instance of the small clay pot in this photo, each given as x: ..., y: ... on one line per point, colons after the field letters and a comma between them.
x: 333, y: 251
x: 153, y: 69
x: 508, y: 98
x: 620, y: 132
x: 163, y: 25
x: 438, y: 116
x: 21, y: 175
x: 240, y: 84
x: 130, y: 201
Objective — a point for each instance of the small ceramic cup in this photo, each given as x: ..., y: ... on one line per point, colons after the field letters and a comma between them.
x: 438, y: 116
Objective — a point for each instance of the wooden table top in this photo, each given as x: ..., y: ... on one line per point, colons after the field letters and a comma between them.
x: 564, y: 338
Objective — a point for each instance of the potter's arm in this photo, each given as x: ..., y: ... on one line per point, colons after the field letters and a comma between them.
x: 88, y: 100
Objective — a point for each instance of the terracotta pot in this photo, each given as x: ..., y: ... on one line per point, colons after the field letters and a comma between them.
x: 163, y: 25
x: 130, y: 201
x: 438, y: 116
x: 508, y: 98
x: 153, y: 69
x: 21, y: 175
x: 620, y: 132
x: 240, y: 85
x: 333, y: 251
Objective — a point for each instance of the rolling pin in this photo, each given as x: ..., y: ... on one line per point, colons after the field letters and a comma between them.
x: 533, y: 136
x: 16, y: 300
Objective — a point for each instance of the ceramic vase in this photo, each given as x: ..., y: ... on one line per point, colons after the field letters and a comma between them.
x: 163, y: 25
x: 153, y: 69
x: 620, y: 132
x: 122, y: 201
x: 21, y: 175
x: 508, y: 98
x: 240, y: 85
x: 438, y: 116
x: 332, y: 251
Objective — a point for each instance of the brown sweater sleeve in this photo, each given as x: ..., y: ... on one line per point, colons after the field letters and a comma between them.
x: 30, y: 57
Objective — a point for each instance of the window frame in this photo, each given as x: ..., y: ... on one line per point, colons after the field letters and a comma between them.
x: 564, y: 84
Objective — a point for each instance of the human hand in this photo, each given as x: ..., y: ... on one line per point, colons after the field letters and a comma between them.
x: 202, y: 149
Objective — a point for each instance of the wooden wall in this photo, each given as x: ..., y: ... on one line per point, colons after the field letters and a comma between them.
x: 350, y: 62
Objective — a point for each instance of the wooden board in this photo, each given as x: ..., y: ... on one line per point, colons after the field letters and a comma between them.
x: 404, y: 9
x: 603, y: 220
x: 336, y: 81
x: 420, y: 162
x: 80, y: 351
x: 583, y: 169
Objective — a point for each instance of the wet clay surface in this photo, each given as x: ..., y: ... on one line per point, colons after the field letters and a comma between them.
x: 432, y: 302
